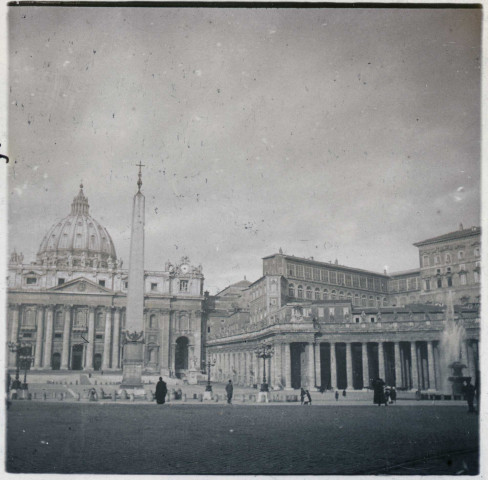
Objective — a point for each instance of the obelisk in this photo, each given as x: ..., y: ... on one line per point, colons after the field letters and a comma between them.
x: 133, y: 353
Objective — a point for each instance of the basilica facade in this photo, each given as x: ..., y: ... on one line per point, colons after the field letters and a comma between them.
x: 335, y: 327
x: 69, y: 305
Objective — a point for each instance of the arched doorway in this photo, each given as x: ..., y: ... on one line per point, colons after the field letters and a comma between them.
x: 56, y: 361
x: 181, y: 356
x: 97, y: 361
x: 77, y: 357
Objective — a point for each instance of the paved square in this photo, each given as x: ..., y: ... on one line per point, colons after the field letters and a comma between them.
x: 245, y: 439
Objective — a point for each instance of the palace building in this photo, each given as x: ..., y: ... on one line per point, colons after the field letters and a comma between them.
x: 69, y: 305
x: 333, y: 326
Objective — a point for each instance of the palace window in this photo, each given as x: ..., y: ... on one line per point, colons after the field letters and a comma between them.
x: 331, y: 311
x: 371, y: 301
x: 308, y: 272
x: 98, y: 336
x: 370, y: 284
x: 356, y: 299
x: 363, y: 282
x: 439, y: 283
x: 101, y: 283
x: 291, y: 290
x: 372, y: 319
x: 357, y: 319
x: 316, y: 274
x: 425, y: 261
x: 333, y: 295
x: 58, y: 335
x: 477, y: 252
x: 363, y: 301
x: 154, y: 287
x: 449, y: 281
x: 340, y: 278
x: 476, y: 277
x: 355, y: 280
x: 291, y: 270
x: 300, y: 271
x: 348, y: 280
x: 349, y: 296
x: 463, y: 278
x: 58, y: 321
x: 183, y: 285
x: 153, y: 322
x: 437, y: 259
x: 126, y: 284
x: 333, y: 277
x: 427, y: 284
x: 324, y: 275
x: 317, y: 294
x: 341, y: 295
x: 300, y: 291
x: 460, y: 254
x: 60, y: 281
x: 31, y: 280
x: 325, y: 294
x: 448, y: 258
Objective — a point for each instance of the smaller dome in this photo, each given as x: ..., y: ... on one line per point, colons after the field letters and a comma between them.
x: 78, y: 239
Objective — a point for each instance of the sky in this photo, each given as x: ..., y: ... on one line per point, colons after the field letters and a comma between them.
x: 343, y: 134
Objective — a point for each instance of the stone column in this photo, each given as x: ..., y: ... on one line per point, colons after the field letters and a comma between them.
x: 430, y: 360
x: 165, y: 342
x: 318, y: 372
x: 333, y: 366
x: 106, y: 339
x: 349, y: 365
x: 91, y: 339
x: 250, y: 359
x: 398, y: 366
x: 364, y: 352
x: 14, y: 333
x: 381, y: 361
x: 288, y: 366
x: 197, y: 335
x: 66, y: 338
x: 414, y: 366
x: 116, y: 339
x: 48, y: 341
x: 310, y: 365
x: 40, y: 331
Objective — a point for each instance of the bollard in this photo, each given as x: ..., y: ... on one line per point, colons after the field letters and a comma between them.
x: 35, y: 396
x: 44, y: 396
x: 200, y: 397
x: 114, y: 396
x: 29, y: 396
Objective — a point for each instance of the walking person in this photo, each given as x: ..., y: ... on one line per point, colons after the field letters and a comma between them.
x: 379, y: 392
x: 309, y: 397
x: 393, y: 395
x: 161, y: 391
x: 337, y: 396
x: 229, y: 388
x: 302, y: 396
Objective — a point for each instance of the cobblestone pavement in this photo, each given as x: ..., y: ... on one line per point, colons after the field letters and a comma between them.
x: 245, y: 439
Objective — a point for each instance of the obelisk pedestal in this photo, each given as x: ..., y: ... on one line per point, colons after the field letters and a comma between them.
x: 133, y: 336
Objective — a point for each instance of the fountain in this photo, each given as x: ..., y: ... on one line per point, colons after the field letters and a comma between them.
x: 451, y: 354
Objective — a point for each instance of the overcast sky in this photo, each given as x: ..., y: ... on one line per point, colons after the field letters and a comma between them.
x: 332, y: 133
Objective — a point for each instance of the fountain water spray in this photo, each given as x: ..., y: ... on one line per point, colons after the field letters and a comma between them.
x: 451, y: 351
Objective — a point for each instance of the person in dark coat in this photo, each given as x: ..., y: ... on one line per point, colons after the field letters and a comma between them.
x: 229, y: 388
x: 309, y: 397
x: 379, y: 392
x: 393, y: 394
x: 337, y: 395
x: 469, y: 391
x: 302, y: 395
x: 161, y: 391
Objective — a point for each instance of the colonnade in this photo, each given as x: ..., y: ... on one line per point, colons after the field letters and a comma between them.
x: 408, y: 365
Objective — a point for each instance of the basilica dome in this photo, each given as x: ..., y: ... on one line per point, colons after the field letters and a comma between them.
x: 77, y: 240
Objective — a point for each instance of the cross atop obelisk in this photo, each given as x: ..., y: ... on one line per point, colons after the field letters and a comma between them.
x: 139, y: 181
x: 134, y: 329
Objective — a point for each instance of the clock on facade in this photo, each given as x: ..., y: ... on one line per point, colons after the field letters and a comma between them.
x: 185, y: 268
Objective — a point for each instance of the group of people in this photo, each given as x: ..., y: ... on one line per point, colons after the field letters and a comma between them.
x: 305, y: 397
x: 383, y: 394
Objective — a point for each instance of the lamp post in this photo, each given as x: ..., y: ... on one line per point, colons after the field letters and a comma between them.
x: 264, y: 351
x: 23, y: 360
x: 208, y: 365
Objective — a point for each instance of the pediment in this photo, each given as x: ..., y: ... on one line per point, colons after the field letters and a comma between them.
x: 80, y: 285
